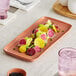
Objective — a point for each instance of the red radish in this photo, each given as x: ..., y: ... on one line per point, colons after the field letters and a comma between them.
x: 43, y: 36
x: 37, y: 49
x: 36, y: 31
x: 56, y: 27
x: 22, y: 42
x: 50, y: 33
x: 30, y: 51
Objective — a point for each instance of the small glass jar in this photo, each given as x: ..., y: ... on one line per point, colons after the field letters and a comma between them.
x: 4, y: 6
x: 67, y: 62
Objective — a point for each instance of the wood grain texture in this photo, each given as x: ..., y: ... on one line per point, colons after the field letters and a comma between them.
x: 63, y: 10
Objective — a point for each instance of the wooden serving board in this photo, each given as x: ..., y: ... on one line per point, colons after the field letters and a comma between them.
x: 15, y: 53
x: 63, y: 10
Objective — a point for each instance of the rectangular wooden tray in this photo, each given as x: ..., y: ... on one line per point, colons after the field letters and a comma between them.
x: 9, y: 48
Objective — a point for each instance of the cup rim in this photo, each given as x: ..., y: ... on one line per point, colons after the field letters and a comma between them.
x: 65, y: 48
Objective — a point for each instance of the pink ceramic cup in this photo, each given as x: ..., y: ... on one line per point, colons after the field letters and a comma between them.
x: 67, y: 62
x: 17, y: 70
x: 4, y: 6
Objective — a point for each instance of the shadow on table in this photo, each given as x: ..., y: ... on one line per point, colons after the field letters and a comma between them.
x: 56, y: 74
x: 13, y: 9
